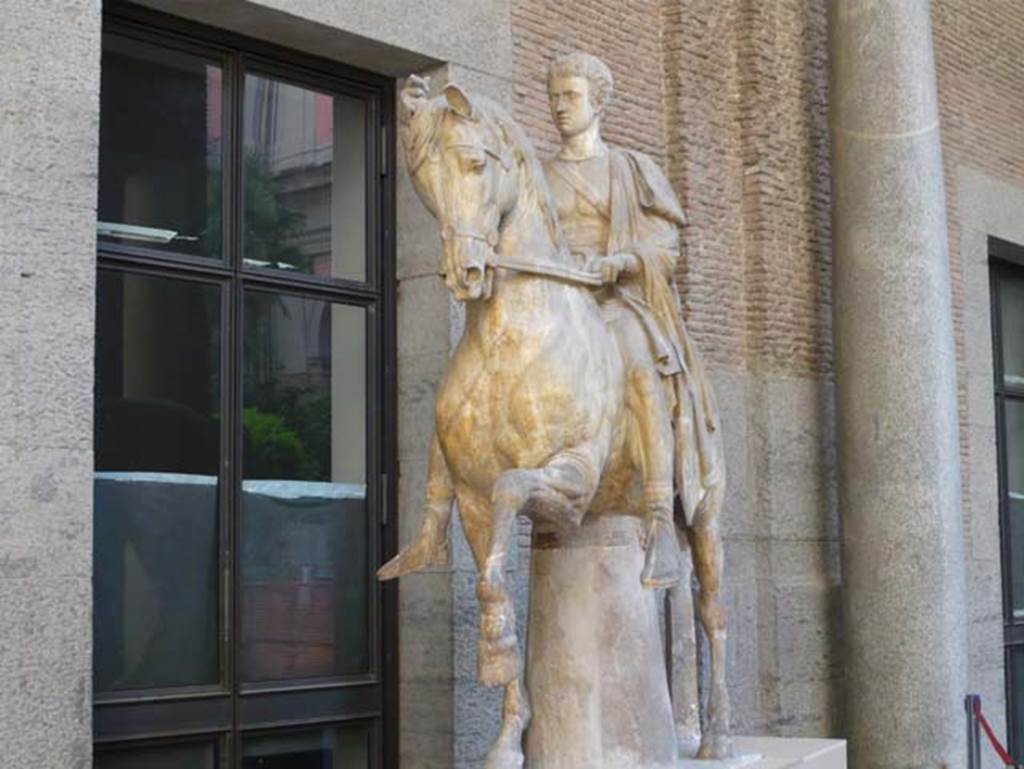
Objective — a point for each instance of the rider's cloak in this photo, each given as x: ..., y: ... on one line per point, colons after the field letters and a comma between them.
x: 644, y: 219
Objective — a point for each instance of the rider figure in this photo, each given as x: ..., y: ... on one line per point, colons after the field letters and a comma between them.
x: 621, y: 218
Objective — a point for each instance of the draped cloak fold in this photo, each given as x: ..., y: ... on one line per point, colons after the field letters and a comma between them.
x: 644, y: 218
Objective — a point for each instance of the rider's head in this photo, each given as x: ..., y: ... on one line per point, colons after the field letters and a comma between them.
x: 579, y: 87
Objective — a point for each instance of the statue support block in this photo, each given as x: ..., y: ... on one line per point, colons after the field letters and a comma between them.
x: 778, y: 753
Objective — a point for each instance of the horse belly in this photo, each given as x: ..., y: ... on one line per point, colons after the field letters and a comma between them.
x: 519, y: 415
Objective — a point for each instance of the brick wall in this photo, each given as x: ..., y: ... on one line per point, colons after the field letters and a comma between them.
x: 748, y: 151
x: 980, y: 69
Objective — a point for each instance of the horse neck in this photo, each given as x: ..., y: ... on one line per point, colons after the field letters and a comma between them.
x: 519, y: 297
x: 527, y: 235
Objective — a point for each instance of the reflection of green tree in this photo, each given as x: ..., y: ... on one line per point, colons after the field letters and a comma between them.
x: 287, y: 423
x: 268, y: 223
x: 272, y: 448
x: 288, y: 433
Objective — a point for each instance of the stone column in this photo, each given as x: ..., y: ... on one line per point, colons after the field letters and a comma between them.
x: 903, y: 580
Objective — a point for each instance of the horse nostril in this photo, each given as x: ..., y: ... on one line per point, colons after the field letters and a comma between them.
x: 474, y: 274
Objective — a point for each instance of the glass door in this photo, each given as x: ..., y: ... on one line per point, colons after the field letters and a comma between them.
x: 243, y: 406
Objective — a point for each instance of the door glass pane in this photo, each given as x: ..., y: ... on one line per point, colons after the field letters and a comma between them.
x: 161, y: 129
x: 305, y: 180
x: 304, y: 528
x: 345, y: 747
x: 203, y: 756
x: 1015, y: 489
x: 1011, y: 301
x: 1016, y: 658
x: 155, y: 492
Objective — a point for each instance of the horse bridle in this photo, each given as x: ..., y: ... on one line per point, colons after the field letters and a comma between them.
x: 540, y: 269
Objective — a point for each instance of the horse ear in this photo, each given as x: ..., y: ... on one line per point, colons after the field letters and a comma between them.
x: 459, y: 102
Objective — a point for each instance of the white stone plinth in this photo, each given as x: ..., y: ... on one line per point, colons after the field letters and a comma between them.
x: 778, y: 753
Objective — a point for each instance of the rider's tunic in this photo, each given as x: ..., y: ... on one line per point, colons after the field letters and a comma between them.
x: 637, y: 213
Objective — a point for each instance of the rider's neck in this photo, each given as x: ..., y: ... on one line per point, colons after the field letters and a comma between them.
x: 586, y: 144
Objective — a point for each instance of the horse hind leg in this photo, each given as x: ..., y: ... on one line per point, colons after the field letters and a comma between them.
x: 683, y: 661
x: 706, y: 543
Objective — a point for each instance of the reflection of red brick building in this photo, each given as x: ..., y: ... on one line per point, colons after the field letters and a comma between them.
x: 289, y: 629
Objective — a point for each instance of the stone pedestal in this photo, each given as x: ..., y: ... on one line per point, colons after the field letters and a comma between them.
x: 896, y: 393
x: 595, y: 664
x: 778, y: 753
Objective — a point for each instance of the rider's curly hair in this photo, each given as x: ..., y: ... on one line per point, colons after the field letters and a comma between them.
x: 580, y: 64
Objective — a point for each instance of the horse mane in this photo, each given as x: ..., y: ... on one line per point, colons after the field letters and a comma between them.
x: 534, y: 182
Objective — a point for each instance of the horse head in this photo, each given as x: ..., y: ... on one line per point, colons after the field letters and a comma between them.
x: 466, y: 169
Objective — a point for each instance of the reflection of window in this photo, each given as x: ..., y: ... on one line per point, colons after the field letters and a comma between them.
x: 1007, y: 272
x: 238, y: 445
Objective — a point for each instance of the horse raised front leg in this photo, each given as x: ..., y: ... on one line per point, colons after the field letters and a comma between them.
x: 706, y: 542
x: 560, y: 491
x: 507, y: 751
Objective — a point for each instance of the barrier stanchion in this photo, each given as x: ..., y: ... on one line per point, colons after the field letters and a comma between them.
x: 976, y: 719
x: 973, y: 731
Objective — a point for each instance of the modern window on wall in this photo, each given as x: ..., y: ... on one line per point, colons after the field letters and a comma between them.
x: 1007, y: 288
x: 243, y: 406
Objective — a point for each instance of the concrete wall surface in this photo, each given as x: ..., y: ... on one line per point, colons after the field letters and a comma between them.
x: 48, y: 144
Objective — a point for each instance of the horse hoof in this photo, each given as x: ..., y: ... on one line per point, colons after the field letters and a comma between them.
x: 504, y: 757
x: 688, y: 741
x: 715, y: 746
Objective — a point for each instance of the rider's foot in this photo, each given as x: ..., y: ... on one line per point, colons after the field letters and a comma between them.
x: 661, y: 559
x: 430, y: 548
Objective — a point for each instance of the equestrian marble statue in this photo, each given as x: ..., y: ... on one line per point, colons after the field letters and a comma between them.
x: 576, y: 398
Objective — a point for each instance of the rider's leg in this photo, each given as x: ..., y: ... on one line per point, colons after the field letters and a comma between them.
x: 430, y: 548
x: 645, y: 398
x: 661, y: 564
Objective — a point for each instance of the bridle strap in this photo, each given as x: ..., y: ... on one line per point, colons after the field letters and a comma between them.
x: 449, y: 233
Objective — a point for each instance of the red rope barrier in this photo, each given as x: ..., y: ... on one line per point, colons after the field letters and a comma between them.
x: 997, y: 746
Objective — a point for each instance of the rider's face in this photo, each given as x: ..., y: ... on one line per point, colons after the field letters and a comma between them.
x: 571, y: 106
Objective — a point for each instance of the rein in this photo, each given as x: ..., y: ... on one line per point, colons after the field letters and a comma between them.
x: 549, y: 270
x: 542, y: 269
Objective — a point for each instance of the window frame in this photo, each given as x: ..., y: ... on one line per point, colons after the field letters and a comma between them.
x: 230, y: 709
x: 1005, y: 260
